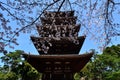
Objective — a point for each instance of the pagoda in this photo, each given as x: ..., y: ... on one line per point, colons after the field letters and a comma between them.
x: 58, y: 44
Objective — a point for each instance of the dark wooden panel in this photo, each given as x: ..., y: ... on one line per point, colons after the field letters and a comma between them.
x: 63, y: 63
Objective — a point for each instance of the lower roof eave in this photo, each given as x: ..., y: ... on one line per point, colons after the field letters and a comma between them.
x: 64, y: 56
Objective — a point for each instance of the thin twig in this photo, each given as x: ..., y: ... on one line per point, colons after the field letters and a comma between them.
x: 13, y: 14
x: 34, y: 20
x: 70, y: 5
x: 60, y: 5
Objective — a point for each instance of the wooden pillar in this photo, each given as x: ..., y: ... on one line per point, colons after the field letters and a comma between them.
x: 58, y: 70
x: 58, y: 76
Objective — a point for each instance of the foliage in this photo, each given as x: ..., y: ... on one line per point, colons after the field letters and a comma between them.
x: 8, y: 76
x: 104, y: 66
x: 76, y: 76
x: 29, y: 73
x: 98, y: 18
x: 15, y: 68
x: 13, y: 59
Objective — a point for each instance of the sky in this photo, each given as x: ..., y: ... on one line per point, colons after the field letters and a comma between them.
x: 26, y: 44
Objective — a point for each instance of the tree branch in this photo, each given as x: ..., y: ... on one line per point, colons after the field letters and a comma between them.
x: 114, y: 2
x: 70, y: 4
x: 13, y: 14
x: 8, y: 5
x: 60, y: 5
x: 34, y: 20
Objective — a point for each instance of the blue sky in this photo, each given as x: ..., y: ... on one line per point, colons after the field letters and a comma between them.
x: 26, y: 44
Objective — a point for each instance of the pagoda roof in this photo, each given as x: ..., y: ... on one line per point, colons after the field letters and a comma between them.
x: 62, y: 46
x: 47, y: 28
x: 58, y: 20
x: 59, y: 13
x: 76, y: 62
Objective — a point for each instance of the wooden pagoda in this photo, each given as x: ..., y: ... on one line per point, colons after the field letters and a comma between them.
x: 58, y: 45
